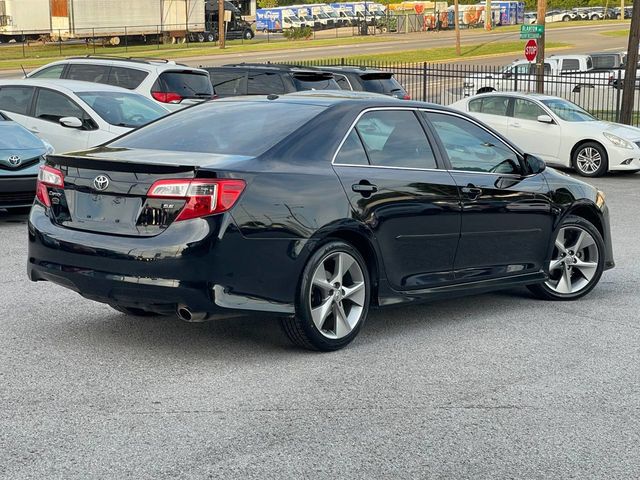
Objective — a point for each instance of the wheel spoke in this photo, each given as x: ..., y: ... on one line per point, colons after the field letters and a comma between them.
x: 355, y: 293
x: 320, y: 313
x: 584, y: 240
x: 555, y: 264
x: 320, y: 279
x: 343, y: 264
x: 560, y: 242
x: 564, y: 284
x: 587, y: 269
x: 342, y: 324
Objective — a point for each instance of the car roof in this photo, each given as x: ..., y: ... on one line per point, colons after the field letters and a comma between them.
x: 533, y: 95
x: 64, y: 85
x: 349, y: 69
x: 269, y: 66
x: 148, y: 64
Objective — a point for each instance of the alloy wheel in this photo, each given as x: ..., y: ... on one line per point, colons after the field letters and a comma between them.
x: 574, y: 261
x: 337, y: 295
x: 589, y: 160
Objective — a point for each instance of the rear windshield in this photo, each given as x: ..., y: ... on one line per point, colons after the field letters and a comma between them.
x: 228, y: 128
x: 381, y: 83
x: 314, y: 82
x: 187, y: 84
x: 604, y: 61
x: 123, y: 109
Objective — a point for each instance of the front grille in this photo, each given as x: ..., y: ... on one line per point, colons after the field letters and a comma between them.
x: 16, y: 198
x: 24, y: 164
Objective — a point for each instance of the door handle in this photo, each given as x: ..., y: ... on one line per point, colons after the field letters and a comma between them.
x: 34, y: 130
x: 472, y: 191
x: 515, y: 124
x: 364, y: 188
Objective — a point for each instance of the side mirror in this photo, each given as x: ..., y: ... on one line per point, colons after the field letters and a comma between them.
x: 545, y: 119
x: 535, y: 164
x: 71, y: 122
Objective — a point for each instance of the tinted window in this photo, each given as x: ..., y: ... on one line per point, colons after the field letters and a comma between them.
x: 381, y: 83
x: 126, y: 77
x: 16, y: 99
x: 314, y: 82
x: 185, y: 84
x: 395, y: 139
x: 89, y: 73
x: 604, y: 61
x: 229, y: 82
x: 236, y: 128
x: 123, y: 109
x: 352, y: 152
x: 495, y: 105
x: 53, y: 106
x: 475, y: 105
x: 526, y: 109
x: 50, y: 72
x: 572, y: 64
x: 342, y: 82
x: 472, y: 148
x: 264, y: 83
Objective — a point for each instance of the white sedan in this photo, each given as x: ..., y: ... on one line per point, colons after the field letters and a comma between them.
x: 558, y: 131
x: 73, y: 115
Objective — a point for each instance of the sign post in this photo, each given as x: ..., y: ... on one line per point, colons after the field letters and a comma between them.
x: 531, y: 50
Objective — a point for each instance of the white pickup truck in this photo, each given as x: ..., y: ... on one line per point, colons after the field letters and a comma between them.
x: 562, y: 73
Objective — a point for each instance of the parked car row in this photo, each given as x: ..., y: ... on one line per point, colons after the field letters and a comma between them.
x: 580, y: 13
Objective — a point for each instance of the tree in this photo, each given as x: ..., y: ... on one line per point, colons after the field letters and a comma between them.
x: 267, y: 3
x: 628, y: 93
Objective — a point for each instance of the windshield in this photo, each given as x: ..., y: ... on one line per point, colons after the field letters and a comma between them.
x: 13, y: 136
x: 227, y: 128
x: 123, y: 109
x: 568, y: 111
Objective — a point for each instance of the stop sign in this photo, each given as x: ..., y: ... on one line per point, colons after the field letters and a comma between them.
x: 531, y: 50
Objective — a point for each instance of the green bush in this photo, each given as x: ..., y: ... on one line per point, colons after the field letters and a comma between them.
x: 298, y: 33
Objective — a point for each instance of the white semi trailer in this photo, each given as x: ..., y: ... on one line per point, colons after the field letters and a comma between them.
x: 111, y: 20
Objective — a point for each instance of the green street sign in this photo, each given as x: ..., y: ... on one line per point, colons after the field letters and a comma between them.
x: 529, y: 36
x: 539, y: 29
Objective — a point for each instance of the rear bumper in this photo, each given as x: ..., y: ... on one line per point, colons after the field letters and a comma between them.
x: 16, y: 192
x: 204, y: 264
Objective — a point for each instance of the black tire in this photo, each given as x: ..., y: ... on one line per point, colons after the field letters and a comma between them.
x: 544, y: 292
x: 134, y: 312
x: 566, y: 18
x: 301, y: 328
x: 604, y: 162
x: 211, y: 37
x: 248, y: 34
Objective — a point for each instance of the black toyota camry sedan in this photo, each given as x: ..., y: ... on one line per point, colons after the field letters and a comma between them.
x: 315, y: 207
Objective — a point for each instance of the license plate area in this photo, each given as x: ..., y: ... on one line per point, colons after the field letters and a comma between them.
x: 108, y: 210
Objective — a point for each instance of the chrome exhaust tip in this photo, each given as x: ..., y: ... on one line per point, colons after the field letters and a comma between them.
x: 185, y: 314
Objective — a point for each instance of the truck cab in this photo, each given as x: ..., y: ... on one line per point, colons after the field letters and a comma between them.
x: 237, y: 27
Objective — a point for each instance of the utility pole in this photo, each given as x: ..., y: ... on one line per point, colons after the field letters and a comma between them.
x: 487, y: 16
x: 542, y: 13
x: 628, y: 92
x: 456, y: 23
x: 221, y: 31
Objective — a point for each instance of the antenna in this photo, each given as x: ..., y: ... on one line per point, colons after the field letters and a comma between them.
x: 23, y: 71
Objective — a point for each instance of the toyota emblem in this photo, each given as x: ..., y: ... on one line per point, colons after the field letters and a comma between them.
x: 101, y: 182
x: 14, y: 160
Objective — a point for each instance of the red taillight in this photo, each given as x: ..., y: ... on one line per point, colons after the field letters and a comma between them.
x: 203, y: 197
x: 166, y: 97
x: 406, y: 97
x: 48, y: 177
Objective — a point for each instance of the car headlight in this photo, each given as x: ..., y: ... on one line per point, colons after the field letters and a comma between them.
x: 617, y: 141
x: 600, y: 197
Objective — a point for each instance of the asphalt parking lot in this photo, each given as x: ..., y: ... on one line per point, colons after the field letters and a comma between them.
x: 495, y: 386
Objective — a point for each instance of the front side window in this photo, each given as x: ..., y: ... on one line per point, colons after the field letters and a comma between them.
x: 123, y: 109
x: 395, y: 138
x: 16, y: 99
x: 527, y: 110
x: 53, y: 106
x: 88, y: 73
x: 568, y: 111
x: 352, y: 151
x: 471, y: 148
x: 54, y: 71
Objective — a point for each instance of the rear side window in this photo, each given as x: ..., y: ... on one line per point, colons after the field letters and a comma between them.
x: 352, y: 151
x: 395, y: 139
x: 343, y: 82
x: 88, y: 73
x: 230, y: 128
x: 265, y: 83
x: 54, y: 71
x: 129, y: 78
x: 227, y: 82
x: 16, y: 99
x: 187, y: 84
x: 492, y: 105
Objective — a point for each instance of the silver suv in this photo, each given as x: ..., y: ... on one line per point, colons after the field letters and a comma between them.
x: 172, y: 85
